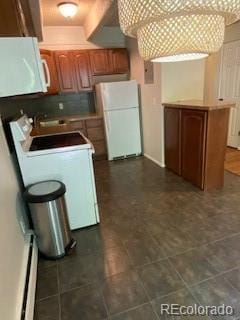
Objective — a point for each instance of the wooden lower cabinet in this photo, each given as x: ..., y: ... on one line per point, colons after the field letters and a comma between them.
x: 195, y: 144
x: 172, y: 141
x: 93, y: 129
x: 193, y: 141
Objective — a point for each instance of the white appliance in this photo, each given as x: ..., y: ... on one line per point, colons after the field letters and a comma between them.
x: 118, y: 101
x: 21, y: 67
x: 65, y: 157
x: 18, y: 266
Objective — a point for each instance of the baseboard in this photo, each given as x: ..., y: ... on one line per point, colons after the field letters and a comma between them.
x: 162, y: 165
x: 29, y: 312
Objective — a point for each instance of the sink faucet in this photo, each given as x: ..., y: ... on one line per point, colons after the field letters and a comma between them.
x: 37, y: 117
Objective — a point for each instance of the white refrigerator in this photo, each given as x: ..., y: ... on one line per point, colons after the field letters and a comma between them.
x: 119, y: 103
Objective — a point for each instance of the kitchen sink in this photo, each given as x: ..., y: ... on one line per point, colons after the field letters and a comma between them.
x: 51, y: 123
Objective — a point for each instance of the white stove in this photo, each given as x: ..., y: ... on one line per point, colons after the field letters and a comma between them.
x: 66, y: 157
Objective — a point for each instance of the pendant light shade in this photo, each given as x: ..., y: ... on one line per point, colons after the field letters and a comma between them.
x: 68, y: 9
x: 175, y: 30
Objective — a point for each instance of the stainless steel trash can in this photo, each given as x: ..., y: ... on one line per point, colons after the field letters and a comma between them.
x: 50, y: 220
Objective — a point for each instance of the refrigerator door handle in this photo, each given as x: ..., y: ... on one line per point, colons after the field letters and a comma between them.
x: 108, y: 126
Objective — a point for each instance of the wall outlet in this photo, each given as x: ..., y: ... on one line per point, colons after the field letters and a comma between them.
x: 61, y: 106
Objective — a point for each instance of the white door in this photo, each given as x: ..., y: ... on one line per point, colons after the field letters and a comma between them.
x: 120, y: 95
x: 123, y: 133
x: 230, y: 88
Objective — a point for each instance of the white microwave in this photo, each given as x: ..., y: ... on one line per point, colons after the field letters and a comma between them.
x: 21, y: 67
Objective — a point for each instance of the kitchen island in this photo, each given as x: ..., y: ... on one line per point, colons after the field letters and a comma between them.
x: 196, y: 140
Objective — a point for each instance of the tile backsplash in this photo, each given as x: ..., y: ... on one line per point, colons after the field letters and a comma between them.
x: 73, y: 104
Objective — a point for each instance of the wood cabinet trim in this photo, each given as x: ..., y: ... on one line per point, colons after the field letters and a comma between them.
x: 69, y: 70
x: 200, y: 116
x: 83, y: 72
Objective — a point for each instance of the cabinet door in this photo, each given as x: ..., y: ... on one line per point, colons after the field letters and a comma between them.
x: 66, y: 71
x: 193, y: 142
x: 100, y: 150
x: 172, y: 119
x: 78, y: 125
x: 9, y: 20
x: 82, y: 69
x: 120, y: 60
x: 47, y: 55
x: 100, y: 62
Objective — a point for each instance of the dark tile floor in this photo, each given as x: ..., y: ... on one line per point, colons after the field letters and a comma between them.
x: 160, y: 241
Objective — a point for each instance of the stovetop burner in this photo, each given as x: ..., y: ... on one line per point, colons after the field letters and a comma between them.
x: 57, y: 141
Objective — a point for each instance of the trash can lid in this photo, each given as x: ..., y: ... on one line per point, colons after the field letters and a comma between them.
x: 44, y: 191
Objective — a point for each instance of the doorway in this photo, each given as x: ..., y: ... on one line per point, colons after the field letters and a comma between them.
x: 230, y: 88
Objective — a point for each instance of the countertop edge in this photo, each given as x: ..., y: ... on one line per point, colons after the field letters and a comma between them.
x: 199, y: 106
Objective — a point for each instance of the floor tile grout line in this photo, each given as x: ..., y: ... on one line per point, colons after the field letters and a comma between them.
x: 186, y: 285
x: 213, y: 277
x: 136, y: 268
x: 131, y: 309
x: 98, y: 283
x: 143, y: 287
x: 219, y: 274
x: 59, y: 295
x: 48, y: 297
x: 190, y: 287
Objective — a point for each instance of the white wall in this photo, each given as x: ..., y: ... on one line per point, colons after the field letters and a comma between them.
x: 151, y: 109
x: 73, y: 37
x: 183, y: 80
x: 232, y: 32
x: 172, y: 82
x: 12, y: 243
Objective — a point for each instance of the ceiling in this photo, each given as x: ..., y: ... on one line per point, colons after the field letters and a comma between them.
x: 52, y: 16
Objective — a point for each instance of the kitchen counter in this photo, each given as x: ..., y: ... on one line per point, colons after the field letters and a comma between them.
x: 200, y: 104
x: 90, y: 124
x: 72, y: 118
x: 63, y: 127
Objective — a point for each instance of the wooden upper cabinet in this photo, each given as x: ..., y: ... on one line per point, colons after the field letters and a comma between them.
x: 75, y: 68
x: 100, y: 62
x: 109, y: 61
x: 16, y: 19
x: 66, y: 71
x: 47, y: 55
x: 120, y: 60
x: 82, y: 69
x: 11, y: 22
x: 194, y: 124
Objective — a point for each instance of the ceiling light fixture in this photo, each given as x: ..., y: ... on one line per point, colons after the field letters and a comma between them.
x: 68, y: 9
x: 177, y: 30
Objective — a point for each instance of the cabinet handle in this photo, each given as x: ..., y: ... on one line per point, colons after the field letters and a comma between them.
x: 48, y: 80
